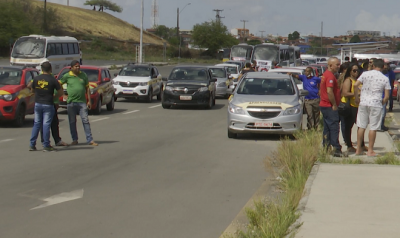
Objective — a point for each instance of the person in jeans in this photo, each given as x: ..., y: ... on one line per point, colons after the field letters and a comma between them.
x: 77, y: 90
x: 374, y: 83
x: 311, y: 101
x: 43, y: 86
x: 391, y: 77
x: 330, y: 98
x: 350, y: 78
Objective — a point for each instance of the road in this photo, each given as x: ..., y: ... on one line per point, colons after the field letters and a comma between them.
x: 156, y: 173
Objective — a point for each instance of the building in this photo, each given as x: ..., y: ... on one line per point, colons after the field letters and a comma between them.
x: 369, y: 33
x: 240, y: 32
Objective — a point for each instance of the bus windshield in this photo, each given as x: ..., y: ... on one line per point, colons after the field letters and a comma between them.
x: 241, y: 51
x: 266, y: 53
x: 29, y: 47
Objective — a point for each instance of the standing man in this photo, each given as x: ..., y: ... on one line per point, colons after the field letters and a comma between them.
x: 330, y: 98
x: 311, y: 101
x: 392, y: 77
x: 371, y: 103
x: 43, y: 86
x: 78, y: 89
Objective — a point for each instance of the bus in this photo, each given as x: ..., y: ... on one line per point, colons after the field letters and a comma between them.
x: 268, y: 54
x: 225, y: 54
x: 33, y: 49
x: 294, y: 54
x: 241, y: 52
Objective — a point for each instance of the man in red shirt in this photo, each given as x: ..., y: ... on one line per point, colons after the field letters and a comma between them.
x: 330, y: 99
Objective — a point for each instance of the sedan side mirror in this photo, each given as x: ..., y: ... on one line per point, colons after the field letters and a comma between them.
x: 56, y: 76
x: 106, y: 79
x: 303, y: 92
x: 164, y: 79
x: 213, y: 80
x: 115, y: 75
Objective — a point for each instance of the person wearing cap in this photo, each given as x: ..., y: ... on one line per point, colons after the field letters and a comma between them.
x: 54, y: 128
x: 43, y: 86
x: 78, y: 89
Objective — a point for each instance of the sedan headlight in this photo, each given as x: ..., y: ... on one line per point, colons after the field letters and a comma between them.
x: 9, y: 97
x: 143, y: 84
x: 169, y: 88
x: 116, y: 83
x: 203, y: 89
x: 292, y: 110
x: 235, y: 109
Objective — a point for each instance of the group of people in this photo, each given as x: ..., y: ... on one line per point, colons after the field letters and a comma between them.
x: 47, y: 90
x: 349, y: 94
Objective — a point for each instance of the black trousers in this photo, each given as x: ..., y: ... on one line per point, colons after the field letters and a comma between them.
x: 348, y: 123
x: 55, y: 131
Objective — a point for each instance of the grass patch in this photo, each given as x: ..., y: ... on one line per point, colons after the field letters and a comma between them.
x: 388, y: 158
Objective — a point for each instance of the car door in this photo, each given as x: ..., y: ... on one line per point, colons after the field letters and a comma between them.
x: 158, y: 79
x: 104, y: 85
x: 154, y: 80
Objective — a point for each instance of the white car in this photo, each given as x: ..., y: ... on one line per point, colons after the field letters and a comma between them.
x: 138, y: 81
x: 233, y: 70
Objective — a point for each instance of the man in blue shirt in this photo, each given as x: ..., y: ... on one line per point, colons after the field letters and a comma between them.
x: 391, y: 77
x: 311, y: 103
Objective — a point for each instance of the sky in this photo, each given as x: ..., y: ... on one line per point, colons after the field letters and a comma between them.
x: 276, y: 17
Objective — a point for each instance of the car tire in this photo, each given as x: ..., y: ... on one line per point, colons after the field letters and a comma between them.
x: 165, y: 106
x: 159, y: 96
x: 97, y: 111
x: 111, y: 104
x: 149, y: 95
x: 20, y: 117
x: 232, y: 135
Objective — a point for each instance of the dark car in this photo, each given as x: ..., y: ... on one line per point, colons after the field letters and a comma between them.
x: 16, y: 99
x: 189, y: 85
x: 102, y: 91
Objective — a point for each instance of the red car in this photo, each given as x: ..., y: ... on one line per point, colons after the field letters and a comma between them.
x: 16, y: 99
x: 395, y: 93
x: 101, y: 88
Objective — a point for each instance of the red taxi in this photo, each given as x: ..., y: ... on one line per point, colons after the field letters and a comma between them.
x: 16, y: 99
x: 102, y: 91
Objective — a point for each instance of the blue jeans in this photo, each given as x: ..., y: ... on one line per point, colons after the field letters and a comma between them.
x: 383, y: 115
x: 43, y: 117
x: 74, y: 109
x: 331, y: 128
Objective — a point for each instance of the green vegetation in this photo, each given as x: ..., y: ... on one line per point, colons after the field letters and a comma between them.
x: 294, y: 36
x: 104, y: 4
x: 388, y: 158
x: 355, y: 39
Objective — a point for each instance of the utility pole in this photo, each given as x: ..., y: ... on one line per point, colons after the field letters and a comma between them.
x: 44, y: 17
x: 262, y: 34
x: 217, y: 16
x: 141, y: 37
x: 177, y: 23
x: 244, y: 28
x: 322, y: 29
x: 67, y: 2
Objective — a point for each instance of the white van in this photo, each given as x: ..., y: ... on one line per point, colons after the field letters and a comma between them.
x: 33, y: 49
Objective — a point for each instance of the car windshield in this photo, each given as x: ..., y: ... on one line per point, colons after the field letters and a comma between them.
x: 218, y: 72
x: 188, y: 73
x: 266, y: 86
x: 135, y: 71
x: 266, y: 53
x: 232, y: 70
x: 92, y: 74
x: 29, y: 47
x: 10, y: 76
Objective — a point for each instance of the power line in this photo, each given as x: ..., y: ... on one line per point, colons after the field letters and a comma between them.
x: 262, y: 34
x: 217, y: 16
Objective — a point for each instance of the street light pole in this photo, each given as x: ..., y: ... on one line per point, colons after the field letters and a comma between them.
x: 178, y: 35
x: 141, y: 38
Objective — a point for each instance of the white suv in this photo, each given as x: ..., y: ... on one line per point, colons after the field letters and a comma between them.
x: 138, y: 81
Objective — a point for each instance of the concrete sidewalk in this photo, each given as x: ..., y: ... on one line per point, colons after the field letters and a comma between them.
x: 353, y: 200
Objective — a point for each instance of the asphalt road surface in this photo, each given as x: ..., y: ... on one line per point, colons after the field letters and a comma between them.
x: 156, y: 173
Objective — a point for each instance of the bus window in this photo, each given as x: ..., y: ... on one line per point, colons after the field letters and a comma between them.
x: 65, y: 48
x: 58, y: 49
x: 76, y: 48
x: 71, y: 48
x: 51, y: 50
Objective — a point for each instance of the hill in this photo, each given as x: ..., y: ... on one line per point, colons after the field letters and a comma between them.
x: 79, y: 22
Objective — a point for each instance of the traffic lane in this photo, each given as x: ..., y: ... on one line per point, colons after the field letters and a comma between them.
x: 170, y: 179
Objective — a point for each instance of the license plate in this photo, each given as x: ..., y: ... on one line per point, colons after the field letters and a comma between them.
x: 128, y: 91
x: 187, y: 98
x: 264, y: 124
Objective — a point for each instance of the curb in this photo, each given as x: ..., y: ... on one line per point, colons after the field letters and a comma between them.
x: 303, y: 201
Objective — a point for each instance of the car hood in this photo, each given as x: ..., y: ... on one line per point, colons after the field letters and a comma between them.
x: 187, y: 83
x: 9, y: 89
x: 284, y: 101
x: 131, y: 79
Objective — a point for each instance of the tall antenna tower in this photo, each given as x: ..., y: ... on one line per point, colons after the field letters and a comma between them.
x: 154, y: 14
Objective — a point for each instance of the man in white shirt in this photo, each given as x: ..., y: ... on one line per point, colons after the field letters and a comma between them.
x: 374, y: 83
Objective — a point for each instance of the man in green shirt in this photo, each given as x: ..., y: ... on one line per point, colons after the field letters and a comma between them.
x: 77, y: 90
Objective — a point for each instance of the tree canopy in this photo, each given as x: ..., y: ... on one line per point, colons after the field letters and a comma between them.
x: 104, y: 4
x: 212, y: 35
x: 355, y: 39
x: 294, y: 36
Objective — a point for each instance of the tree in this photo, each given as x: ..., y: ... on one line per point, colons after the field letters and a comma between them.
x: 103, y: 4
x: 296, y: 35
x: 212, y: 35
x: 355, y: 39
x: 253, y: 42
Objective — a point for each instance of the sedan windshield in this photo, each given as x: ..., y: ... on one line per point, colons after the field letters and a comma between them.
x: 29, y: 47
x: 269, y: 86
x: 189, y: 74
x: 232, y: 70
x: 218, y: 72
x: 135, y: 71
x: 10, y: 76
x: 92, y: 74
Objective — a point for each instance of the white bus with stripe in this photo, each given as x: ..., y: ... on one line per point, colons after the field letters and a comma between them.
x: 33, y: 49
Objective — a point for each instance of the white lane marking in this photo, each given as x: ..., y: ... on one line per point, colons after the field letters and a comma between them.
x: 100, y: 119
x: 130, y: 112
x: 6, y: 140
x: 60, y: 198
x: 155, y: 106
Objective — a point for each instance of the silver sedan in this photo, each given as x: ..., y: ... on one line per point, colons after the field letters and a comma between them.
x: 265, y: 103
x: 224, y: 81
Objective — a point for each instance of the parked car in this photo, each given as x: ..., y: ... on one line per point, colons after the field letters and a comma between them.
x: 16, y: 99
x: 102, y: 91
x: 233, y: 70
x: 265, y: 102
x: 224, y: 81
x: 396, y: 91
x: 240, y: 63
x: 139, y: 81
x: 191, y: 86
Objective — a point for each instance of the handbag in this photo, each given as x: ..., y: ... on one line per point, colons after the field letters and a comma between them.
x: 344, y: 108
